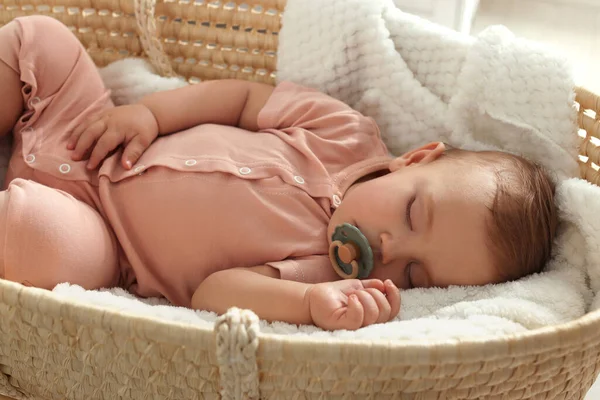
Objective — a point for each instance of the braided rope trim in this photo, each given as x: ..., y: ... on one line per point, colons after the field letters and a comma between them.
x: 145, y: 18
x: 237, y: 342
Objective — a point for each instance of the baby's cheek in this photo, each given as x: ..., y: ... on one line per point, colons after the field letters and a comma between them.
x: 389, y: 271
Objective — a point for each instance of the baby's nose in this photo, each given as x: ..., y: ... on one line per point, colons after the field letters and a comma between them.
x: 394, y: 248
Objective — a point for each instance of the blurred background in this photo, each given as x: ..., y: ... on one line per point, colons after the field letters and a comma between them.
x: 571, y: 26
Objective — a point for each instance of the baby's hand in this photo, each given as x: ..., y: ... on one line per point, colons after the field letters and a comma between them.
x: 352, y: 303
x: 133, y: 126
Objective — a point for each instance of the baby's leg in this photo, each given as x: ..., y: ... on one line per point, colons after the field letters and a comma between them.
x: 44, y: 68
x: 10, y: 84
x: 48, y: 237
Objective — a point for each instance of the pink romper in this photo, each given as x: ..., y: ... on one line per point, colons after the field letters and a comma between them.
x: 198, y: 201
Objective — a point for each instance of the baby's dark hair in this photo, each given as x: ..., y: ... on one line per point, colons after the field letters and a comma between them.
x: 524, y: 217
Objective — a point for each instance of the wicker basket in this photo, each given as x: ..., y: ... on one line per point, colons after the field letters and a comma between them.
x: 53, y: 349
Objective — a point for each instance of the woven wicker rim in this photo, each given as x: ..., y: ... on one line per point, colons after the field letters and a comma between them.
x: 575, y: 332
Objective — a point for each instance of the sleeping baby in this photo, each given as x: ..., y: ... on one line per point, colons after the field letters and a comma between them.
x: 228, y: 193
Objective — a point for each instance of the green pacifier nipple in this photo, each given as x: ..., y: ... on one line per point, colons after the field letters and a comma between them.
x: 350, y: 253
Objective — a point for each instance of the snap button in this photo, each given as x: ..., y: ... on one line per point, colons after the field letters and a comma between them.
x: 64, y: 168
x: 245, y: 170
x: 34, y: 101
x: 30, y: 159
x: 139, y: 169
x: 190, y: 163
x: 299, y: 179
x: 336, y: 200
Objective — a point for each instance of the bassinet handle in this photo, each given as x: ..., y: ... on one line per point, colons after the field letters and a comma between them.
x: 145, y: 11
x: 236, y: 336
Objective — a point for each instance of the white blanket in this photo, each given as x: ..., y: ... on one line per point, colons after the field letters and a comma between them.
x: 422, y: 83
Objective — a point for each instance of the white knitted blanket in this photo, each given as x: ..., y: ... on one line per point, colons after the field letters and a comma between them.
x: 421, y: 83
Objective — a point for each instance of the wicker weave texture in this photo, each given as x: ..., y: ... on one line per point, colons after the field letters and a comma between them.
x: 107, y: 29
x: 553, y: 363
x: 203, y: 39
x: 53, y: 349
x: 535, y: 376
x: 589, y: 132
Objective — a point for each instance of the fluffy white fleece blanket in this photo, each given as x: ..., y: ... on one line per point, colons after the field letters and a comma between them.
x: 421, y: 83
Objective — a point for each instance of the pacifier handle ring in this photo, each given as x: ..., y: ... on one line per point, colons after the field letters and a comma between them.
x: 335, y: 245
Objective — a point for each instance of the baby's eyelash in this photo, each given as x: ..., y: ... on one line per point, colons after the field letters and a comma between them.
x: 408, y: 209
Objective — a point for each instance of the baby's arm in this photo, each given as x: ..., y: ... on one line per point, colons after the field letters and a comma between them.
x: 223, y: 102
x: 346, y: 304
x: 136, y: 126
x: 258, y: 289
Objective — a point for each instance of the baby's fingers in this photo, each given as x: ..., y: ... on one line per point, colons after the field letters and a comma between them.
x: 355, y: 313
x: 383, y: 305
x: 87, y: 138
x: 109, y: 141
x: 74, y: 138
x: 370, y: 307
x: 373, y: 284
x: 134, y: 150
x: 392, y: 294
x: 78, y: 131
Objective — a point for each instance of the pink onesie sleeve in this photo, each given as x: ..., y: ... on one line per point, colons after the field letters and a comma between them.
x: 310, y: 269
x: 295, y: 106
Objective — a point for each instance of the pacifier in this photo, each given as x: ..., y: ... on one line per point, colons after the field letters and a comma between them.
x: 350, y: 252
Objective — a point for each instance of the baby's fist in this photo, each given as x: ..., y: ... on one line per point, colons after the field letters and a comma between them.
x: 352, y: 303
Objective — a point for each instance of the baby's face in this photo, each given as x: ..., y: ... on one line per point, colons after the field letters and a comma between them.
x: 425, y: 220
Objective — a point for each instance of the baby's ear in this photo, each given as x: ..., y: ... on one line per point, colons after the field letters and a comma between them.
x: 423, y: 155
